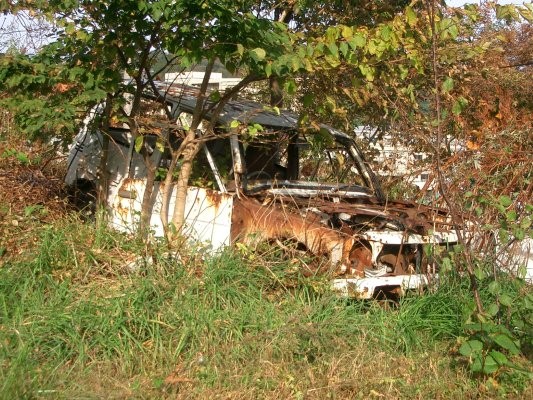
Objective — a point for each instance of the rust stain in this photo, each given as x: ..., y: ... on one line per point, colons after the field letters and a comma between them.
x: 123, y: 211
x: 251, y: 219
x: 214, y: 198
x: 360, y: 258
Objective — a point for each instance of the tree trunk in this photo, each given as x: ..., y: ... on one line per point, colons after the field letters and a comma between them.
x: 147, y: 202
x: 102, y: 189
x: 103, y: 174
x: 189, y: 154
x: 190, y: 150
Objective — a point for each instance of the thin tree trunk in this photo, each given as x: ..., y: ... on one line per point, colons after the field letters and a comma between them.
x: 146, y: 207
x: 102, y: 189
x: 443, y: 189
x: 190, y: 151
x: 166, y: 189
x: 103, y: 174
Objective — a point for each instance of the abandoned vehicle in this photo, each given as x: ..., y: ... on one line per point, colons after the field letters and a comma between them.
x: 276, y: 183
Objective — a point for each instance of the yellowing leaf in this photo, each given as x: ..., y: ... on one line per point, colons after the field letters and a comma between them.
x: 268, y: 69
x: 447, y: 85
x: 358, y: 40
x: 411, y: 17
x: 258, y: 53
x: 160, y: 145
x: 347, y: 32
x: 333, y: 49
x: 139, y: 140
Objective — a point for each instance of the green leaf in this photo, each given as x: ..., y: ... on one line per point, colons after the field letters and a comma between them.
x: 268, y: 70
x: 403, y: 71
x: 498, y: 357
x: 308, y: 65
x: 494, y: 287
x: 511, y: 215
x: 357, y: 41
x: 139, y: 140
x: 448, y: 28
x: 490, y: 365
x: 290, y: 86
x: 447, y: 85
x: 215, y: 96
x: 157, y: 13
x: 506, y: 300
x: 385, y: 32
x: 505, y: 200
x: 295, y: 63
x: 308, y: 100
x: 506, y: 343
x: 332, y: 34
x: 372, y: 47
x: 471, y: 347
x: 446, y: 265
x: 343, y: 47
x: 234, y: 124
x: 503, y: 235
x: 332, y: 61
x: 333, y: 49
x: 506, y: 12
x: 459, y: 105
x: 493, y: 309
x: 477, y: 364
x: 411, y: 17
x: 479, y: 273
x: 240, y: 49
x: 367, y: 71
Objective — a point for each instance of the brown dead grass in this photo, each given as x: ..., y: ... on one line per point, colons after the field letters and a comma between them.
x: 358, y: 374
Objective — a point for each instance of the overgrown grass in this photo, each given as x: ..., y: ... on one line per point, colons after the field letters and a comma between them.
x: 78, y: 319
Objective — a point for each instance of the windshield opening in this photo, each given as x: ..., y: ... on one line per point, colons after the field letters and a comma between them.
x: 287, y: 155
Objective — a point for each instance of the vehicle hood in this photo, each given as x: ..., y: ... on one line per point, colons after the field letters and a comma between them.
x: 355, y: 208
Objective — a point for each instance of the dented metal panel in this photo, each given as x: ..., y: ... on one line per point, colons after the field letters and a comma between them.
x: 208, y: 217
x: 254, y: 221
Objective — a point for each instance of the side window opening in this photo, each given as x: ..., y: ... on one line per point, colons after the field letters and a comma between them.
x: 203, y: 174
x: 272, y: 156
x: 208, y: 173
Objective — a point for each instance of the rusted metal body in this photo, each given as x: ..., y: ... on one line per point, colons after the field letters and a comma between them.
x: 370, y: 247
x: 370, y: 244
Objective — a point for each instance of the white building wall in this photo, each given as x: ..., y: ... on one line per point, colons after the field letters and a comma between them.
x: 395, y: 159
x: 195, y: 78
